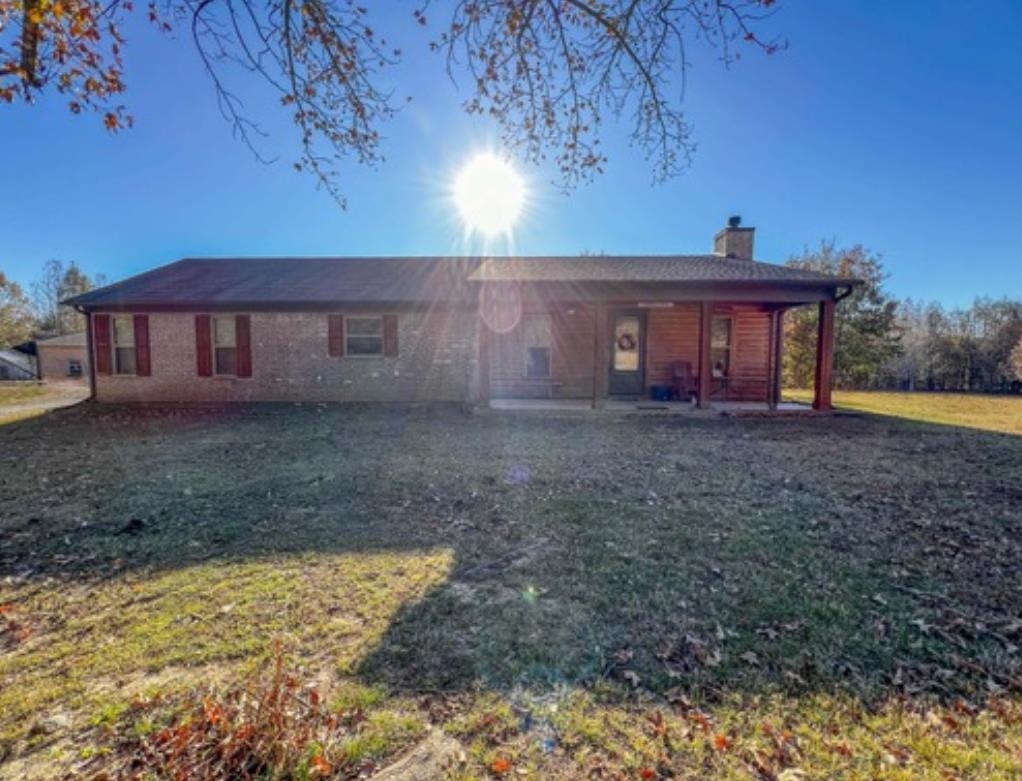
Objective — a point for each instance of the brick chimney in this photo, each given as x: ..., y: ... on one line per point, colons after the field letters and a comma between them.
x: 734, y: 241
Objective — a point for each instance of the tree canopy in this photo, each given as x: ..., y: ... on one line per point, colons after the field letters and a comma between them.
x: 16, y: 319
x: 58, y: 282
x: 885, y: 343
x: 547, y: 72
x: 865, y: 330
x: 40, y: 313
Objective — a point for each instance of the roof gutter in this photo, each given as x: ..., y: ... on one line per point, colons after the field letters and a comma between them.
x: 845, y: 293
x: 88, y: 349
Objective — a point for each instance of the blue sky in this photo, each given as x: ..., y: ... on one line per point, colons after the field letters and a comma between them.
x: 894, y: 125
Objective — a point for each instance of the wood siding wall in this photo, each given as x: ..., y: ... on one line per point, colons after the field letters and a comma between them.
x: 750, y: 370
x: 571, y: 356
x: 672, y: 335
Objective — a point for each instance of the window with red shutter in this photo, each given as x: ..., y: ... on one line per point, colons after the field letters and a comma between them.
x: 243, y: 345
x: 203, y: 346
x: 390, y: 336
x: 101, y: 340
x: 335, y: 335
x: 363, y: 336
x: 123, y: 330
x: 143, y: 365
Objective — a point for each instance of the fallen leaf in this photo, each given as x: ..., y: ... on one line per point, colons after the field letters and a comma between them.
x: 842, y: 748
x: 500, y: 765
x: 320, y: 765
x: 720, y: 742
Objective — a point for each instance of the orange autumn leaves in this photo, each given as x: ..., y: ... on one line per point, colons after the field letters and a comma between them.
x: 500, y: 766
x: 73, y: 46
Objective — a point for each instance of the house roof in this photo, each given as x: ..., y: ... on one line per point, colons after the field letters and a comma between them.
x: 277, y: 281
x: 19, y: 360
x: 254, y: 282
x: 649, y: 268
x: 76, y: 339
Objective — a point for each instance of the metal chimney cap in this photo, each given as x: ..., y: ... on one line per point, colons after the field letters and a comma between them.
x: 734, y: 221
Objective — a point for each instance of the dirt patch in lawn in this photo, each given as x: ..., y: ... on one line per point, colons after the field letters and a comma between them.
x: 567, y: 595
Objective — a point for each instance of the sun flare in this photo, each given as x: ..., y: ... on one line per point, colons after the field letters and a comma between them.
x: 489, y: 194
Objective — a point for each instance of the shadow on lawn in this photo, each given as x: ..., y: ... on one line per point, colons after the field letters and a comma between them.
x: 718, y: 556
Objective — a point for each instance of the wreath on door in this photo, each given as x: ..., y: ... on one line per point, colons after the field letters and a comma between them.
x: 626, y: 342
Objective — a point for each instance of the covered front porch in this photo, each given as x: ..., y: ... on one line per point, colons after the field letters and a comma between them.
x: 664, y: 355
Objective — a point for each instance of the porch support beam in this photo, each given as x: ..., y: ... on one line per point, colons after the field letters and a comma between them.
x: 485, y: 341
x: 824, y: 356
x: 777, y: 353
x: 601, y: 355
x: 705, y: 344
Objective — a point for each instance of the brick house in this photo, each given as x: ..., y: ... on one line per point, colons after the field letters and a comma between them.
x: 456, y: 329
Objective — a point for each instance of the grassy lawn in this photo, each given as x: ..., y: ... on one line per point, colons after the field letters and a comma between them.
x: 557, y: 596
x: 24, y: 400
x: 989, y: 413
x: 17, y: 392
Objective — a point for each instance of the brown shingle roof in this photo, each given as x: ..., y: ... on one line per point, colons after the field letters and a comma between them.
x: 307, y: 282
x: 295, y: 281
x: 648, y: 268
x: 76, y: 339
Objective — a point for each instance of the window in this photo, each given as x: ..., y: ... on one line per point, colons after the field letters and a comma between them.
x: 537, y: 363
x: 363, y: 336
x: 626, y: 343
x: 537, y: 337
x: 124, y: 345
x: 720, y: 346
x: 74, y: 367
x: 225, y: 345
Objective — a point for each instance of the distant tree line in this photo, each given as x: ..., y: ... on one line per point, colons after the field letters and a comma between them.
x: 884, y: 343
x: 38, y: 313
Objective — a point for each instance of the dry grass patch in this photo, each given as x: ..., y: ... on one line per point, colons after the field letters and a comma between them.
x: 975, y: 410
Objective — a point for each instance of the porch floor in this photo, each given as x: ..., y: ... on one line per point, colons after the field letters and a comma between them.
x: 646, y: 405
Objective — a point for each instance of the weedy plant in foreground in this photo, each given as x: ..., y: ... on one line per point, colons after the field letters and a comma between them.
x: 273, y: 727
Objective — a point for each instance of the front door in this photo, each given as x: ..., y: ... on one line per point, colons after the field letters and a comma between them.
x: 627, y: 353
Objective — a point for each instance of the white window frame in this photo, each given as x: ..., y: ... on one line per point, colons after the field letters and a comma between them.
x: 214, y: 345
x: 349, y: 335
x: 115, y: 346
x: 727, y: 348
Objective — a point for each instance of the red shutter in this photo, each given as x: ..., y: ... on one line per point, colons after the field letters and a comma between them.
x: 203, y: 348
x: 335, y: 335
x: 101, y: 340
x: 143, y: 366
x: 243, y: 343
x: 390, y: 336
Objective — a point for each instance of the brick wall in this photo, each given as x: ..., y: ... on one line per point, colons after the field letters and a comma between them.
x: 437, y: 361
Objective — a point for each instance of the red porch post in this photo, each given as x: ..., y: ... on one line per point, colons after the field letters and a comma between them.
x: 601, y: 354
x: 777, y: 351
x: 824, y: 356
x: 705, y: 336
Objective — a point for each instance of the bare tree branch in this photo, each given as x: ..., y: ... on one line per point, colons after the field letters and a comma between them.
x: 546, y: 71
